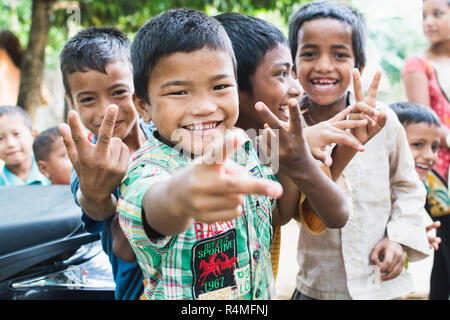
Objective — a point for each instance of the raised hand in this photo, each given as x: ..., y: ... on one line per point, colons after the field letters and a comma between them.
x: 331, y: 131
x: 100, y: 167
x: 365, y: 108
x: 213, y: 187
x: 292, y: 148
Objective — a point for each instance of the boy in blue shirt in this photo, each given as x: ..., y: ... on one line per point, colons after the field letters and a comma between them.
x: 98, y: 80
x: 16, y: 140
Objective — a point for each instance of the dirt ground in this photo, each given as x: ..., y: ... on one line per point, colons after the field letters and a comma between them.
x: 288, y: 268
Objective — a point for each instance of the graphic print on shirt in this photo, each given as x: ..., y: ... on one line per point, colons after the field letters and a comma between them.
x: 213, y: 263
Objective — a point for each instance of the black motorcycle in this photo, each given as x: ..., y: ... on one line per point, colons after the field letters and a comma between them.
x: 44, y: 251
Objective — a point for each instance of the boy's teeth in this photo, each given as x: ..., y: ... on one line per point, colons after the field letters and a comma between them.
x: 324, y: 83
x: 201, y: 126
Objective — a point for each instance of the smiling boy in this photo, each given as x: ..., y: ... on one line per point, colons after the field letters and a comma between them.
x: 98, y: 80
x: 368, y: 255
x: 176, y: 206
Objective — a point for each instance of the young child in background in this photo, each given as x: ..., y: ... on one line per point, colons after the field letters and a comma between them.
x: 264, y: 75
x: 366, y: 258
x: 51, y: 156
x: 422, y: 127
x: 98, y: 80
x: 198, y: 208
x: 16, y: 140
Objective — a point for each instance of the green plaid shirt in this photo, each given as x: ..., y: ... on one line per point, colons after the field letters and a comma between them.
x: 224, y: 260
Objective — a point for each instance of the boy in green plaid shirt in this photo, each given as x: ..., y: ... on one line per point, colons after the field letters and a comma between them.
x: 196, y: 204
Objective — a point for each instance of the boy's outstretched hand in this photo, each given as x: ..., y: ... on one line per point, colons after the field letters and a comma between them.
x: 100, y: 167
x: 213, y: 187
x: 365, y: 108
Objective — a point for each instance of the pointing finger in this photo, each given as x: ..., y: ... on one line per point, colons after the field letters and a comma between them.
x: 267, y: 116
x: 373, y: 89
x: 246, y: 184
x: 76, y: 131
x: 341, y: 115
x: 68, y: 142
x: 357, y: 86
x: 295, y: 120
x: 220, y: 151
x: 106, y: 130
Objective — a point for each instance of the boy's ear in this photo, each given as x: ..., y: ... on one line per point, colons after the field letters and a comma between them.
x: 43, y: 168
x: 34, y: 133
x: 142, y: 107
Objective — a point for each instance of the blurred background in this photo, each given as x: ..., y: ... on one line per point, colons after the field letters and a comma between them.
x: 43, y: 26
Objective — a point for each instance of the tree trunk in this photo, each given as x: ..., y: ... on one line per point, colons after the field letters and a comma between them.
x: 34, y: 57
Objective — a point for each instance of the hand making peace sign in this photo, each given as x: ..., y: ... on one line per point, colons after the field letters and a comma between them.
x: 365, y: 108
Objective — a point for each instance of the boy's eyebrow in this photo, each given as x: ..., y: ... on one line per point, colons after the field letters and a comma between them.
x: 184, y: 82
x: 83, y: 93
x: 334, y: 46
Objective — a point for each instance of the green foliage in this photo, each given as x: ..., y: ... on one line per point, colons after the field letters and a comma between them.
x: 128, y: 15
x: 396, y: 46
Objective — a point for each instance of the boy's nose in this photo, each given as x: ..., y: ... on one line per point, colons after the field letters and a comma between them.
x: 431, y: 155
x: 294, y: 88
x: 428, y: 20
x: 11, y: 141
x: 203, y: 107
x: 323, y: 64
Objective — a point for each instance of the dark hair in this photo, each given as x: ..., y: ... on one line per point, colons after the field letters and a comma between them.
x: 18, y: 111
x: 251, y: 38
x: 43, y: 143
x: 93, y: 48
x: 332, y: 10
x: 176, y: 30
x: 409, y: 112
x: 11, y: 44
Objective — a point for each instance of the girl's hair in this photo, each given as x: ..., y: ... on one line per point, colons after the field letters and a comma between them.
x: 17, y: 111
x: 332, y: 10
x: 11, y: 44
x: 409, y: 112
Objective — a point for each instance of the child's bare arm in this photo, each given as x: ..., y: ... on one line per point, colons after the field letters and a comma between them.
x: 210, y: 189
x: 100, y: 168
x: 121, y: 246
x: 297, y: 162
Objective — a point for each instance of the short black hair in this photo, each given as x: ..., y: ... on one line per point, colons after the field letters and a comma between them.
x: 334, y: 10
x: 409, y: 112
x: 18, y: 111
x: 176, y: 30
x: 93, y: 48
x: 11, y: 44
x: 252, y: 38
x: 43, y: 143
